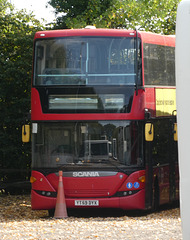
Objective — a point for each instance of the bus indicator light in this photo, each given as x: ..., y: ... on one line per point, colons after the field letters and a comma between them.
x: 142, y: 179
x: 32, y: 179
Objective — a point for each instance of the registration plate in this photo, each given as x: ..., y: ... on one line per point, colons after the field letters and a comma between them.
x: 86, y: 203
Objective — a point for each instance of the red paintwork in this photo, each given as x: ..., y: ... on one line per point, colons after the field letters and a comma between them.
x: 86, y: 187
x: 136, y: 201
x: 146, y: 37
x: 41, y: 182
x: 137, y: 111
x: 85, y: 32
x: 144, y: 99
x: 39, y: 202
x: 94, y: 188
x: 134, y: 177
x: 150, y: 102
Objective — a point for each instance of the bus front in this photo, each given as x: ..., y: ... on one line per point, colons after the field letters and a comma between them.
x: 87, y: 119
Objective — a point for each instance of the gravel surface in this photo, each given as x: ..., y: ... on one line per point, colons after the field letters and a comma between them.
x: 18, y: 221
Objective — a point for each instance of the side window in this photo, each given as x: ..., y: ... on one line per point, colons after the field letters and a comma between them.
x: 159, y: 65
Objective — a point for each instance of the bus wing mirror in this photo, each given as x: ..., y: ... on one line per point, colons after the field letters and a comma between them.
x: 149, y: 132
x: 175, y: 132
x: 25, y: 133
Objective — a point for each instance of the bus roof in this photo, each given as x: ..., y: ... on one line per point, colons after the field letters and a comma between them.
x: 153, y: 38
x: 146, y: 37
x: 85, y: 32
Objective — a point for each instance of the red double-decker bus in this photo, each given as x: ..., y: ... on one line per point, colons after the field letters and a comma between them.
x: 103, y: 104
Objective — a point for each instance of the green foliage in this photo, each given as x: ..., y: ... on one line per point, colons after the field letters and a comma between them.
x: 77, y: 14
x: 16, y: 34
x: 150, y: 15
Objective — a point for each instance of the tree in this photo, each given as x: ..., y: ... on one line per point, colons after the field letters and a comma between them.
x: 84, y: 10
x: 149, y: 15
x: 16, y: 32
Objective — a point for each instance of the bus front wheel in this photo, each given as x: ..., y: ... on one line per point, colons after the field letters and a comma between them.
x: 51, y: 212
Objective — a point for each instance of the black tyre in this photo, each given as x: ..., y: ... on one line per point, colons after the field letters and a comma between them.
x: 51, y: 212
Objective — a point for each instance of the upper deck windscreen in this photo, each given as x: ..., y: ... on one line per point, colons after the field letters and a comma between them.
x: 85, y: 61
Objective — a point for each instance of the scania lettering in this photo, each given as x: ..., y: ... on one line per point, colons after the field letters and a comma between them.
x: 85, y: 174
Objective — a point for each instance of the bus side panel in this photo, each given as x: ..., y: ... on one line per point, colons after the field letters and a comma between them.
x: 150, y: 100
x: 137, y: 111
x: 36, y: 108
x: 164, y: 185
x: 177, y: 181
